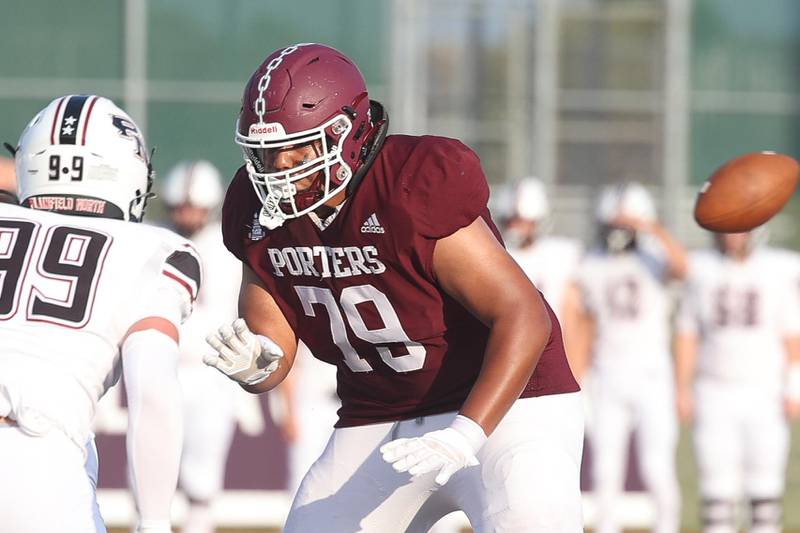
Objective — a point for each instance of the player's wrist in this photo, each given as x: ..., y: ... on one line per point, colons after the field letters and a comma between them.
x: 242, y: 355
x: 267, y: 351
x: 473, y: 433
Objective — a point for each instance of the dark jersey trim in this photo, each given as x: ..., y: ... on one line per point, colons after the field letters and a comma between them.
x: 187, y: 264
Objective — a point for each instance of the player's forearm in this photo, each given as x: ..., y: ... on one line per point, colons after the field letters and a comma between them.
x: 578, y: 330
x: 264, y: 317
x: 515, y: 344
x: 155, y: 429
x: 154, y: 448
x: 792, y: 345
x: 581, y: 347
x: 676, y: 253
x: 685, y: 360
x: 283, y: 337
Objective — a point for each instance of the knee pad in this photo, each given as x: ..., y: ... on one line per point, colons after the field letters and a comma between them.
x: 765, y: 512
x: 718, y: 514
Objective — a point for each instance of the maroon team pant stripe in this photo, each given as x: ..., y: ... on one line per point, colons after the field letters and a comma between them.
x: 86, y: 120
x: 55, y: 121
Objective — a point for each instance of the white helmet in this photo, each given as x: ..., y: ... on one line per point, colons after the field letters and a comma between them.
x: 83, y: 155
x: 531, y: 202
x: 630, y: 199
x: 193, y: 182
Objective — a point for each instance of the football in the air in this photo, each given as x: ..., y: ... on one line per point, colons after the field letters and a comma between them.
x: 746, y: 192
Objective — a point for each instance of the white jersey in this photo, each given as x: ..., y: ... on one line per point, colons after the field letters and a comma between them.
x: 627, y: 296
x: 218, y: 299
x: 71, y: 288
x: 741, y: 312
x: 550, y: 263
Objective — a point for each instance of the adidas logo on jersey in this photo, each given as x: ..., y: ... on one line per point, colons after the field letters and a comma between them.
x: 371, y: 225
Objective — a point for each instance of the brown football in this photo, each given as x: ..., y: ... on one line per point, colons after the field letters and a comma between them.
x: 746, y: 192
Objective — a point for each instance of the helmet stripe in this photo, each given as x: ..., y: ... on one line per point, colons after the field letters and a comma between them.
x: 86, y: 121
x: 70, y: 121
x: 55, y: 121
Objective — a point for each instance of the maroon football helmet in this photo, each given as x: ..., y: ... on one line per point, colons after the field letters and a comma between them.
x: 300, y: 95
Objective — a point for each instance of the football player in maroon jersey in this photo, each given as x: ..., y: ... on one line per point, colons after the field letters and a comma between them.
x: 379, y: 253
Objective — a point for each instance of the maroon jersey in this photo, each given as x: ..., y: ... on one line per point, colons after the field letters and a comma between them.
x: 362, y: 295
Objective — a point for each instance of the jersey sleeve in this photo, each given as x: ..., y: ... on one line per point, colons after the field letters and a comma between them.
x: 183, y: 269
x: 167, y: 285
x: 240, y: 215
x: 448, y: 191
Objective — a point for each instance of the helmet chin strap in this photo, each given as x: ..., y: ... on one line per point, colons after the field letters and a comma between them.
x: 381, y: 120
x: 271, y: 216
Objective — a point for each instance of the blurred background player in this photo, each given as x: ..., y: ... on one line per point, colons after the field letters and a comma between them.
x: 626, y: 316
x: 105, y: 298
x: 738, y: 332
x: 192, y: 192
x: 549, y: 261
x: 305, y: 411
x: 8, y: 181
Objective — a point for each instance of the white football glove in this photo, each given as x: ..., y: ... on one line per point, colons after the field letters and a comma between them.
x: 445, y: 451
x: 242, y: 355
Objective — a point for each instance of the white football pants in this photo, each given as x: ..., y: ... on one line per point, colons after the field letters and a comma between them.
x: 741, y: 441
x: 528, y: 479
x: 45, y: 484
x: 621, y: 404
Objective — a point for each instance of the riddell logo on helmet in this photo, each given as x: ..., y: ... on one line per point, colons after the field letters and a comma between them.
x: 266, y: 130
